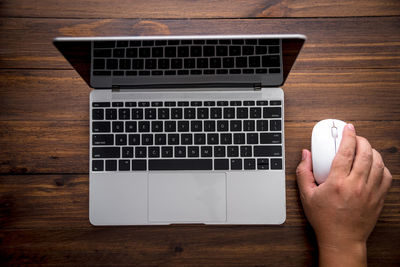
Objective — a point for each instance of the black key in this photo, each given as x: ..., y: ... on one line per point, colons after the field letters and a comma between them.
x: 209, y: 103
x: 127, y: 152
x: 242, y: 113
x: 144, y: 104
x: 97, y: 114
x: 234, y: 50
x: 140, y: 152
x: 120, y: 139
x: 170, y: 72
x: 131, y: 126
x: 186, y: 139
x: 135, y: 43
x: 144, y: 52
x: 206, y: 151
x: 196, y: 126
x: 180, y: 164
x: 261, y: 50
x: 202, y: 113
x: 154, y: 152
x: 208, y: 51
x: 150, y: 64
x: 176, y: 113
x: 183, y: 51
x: 186, y: 42
x: 99, y: 63
x: 173, y: 139
x: 125, y: 64
x: 124, y: 165
x: 170, y: 104
x: 222, y: 103
x: 137, y: 114
x: 111, y: 114
x: 112, y: 64
x: 275, y: 125
x: 222, y: 126
x: 238, y: 138
x: 111, y: 165
x: 100, y: 104
x: 241, y: 62
x: 163, y: 63
x: 156, y: 126
x: 195, y: 51
x: 199, y: 139
x: 262, y: 164
x: 202, y: 63
x: 189, y: 63
x: 134, y: 139
x: 252, y: 138
x: 101, y: 127
x: 144, y: 126
x: 262, y: 103
x: 132, y: 73
x: 183, y: 72
x: 170, y: 51
x: 209, y: 126
x: 150, y: 113
x: 161, y: 42
x: 139, y: 165
x: 97, y: 165
x: 274, y: 70
x: 122, y: 43
x: 195, y: 72
x: 274, y: 112
x: 221, y: 164
x: 183, y: 126
x: 193, y: 151
x: 195, y: 103
x: 219, y: 151
x: 190, y: 113
x: 248, y: 103
x: 236, y: 164
x: 105, y: 152
x: 170, y: 126
x: 160, y: 139
x: 249, y: 164
x: 137, y: 64
x: 233, y: 151
x: 262, y: 125
x: 131, y: 52
x: 147, y: 139
x: 104, y: 44
x: 209, y: 71
x: 275, y: 102
x: 268, y: 41
x: 270, y: 138
x: 124, y: 114
x: 249, y: 125
x: 117, y: 104
x: 270, y: 61
x: 130, y: 104
x: 235, y: 71
x: 276, y: 164
x: 222, y: 51
x: 228, y: 62
x: 236, y: 126
x: 148, y: 43
x: 245, y: 151
x: 267, y: 151
x: 254, y: 62
x: 101, y: 73
x: 180, y: 152
x: 255, y: 113
x: 166, y: 152
x: 157, y: 52
x: 216, y: 113
x: 176, y: 63
x: 118, y: 73
x: 237, y: 41
x: 102, y: 139
x: 229, y: 113
x: 212, y: 139
x: 215, y: 63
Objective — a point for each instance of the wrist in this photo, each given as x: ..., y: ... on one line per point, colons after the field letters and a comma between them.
x: 342, y: 254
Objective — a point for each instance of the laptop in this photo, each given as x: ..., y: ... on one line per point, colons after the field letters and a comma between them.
x: 185, y: 129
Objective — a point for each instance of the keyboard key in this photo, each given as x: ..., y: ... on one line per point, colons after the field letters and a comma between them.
x: 275, y: 125
x: 104, y: 44
x: 156, y: 126
x: 150, y: 113
x: 219, y: 151
x: 120, y: 139
x: 183, y: 126
x: 262, y: 125
x: 270, y: 61
x: 160, y: 139
x: 270, y: 138
x: 97, y: 114
x: 124, y: 114
x: 209, y: 126
x: 255, y: 113
x: 139, y: 165
x: 275, y: 103
x: 186, y: 139
x: 99, y: 63
x: 246, y: 151
x: 124, y: 165
x: 242, y: 113
x: 276, y: 164
x: 238, y: 138
x: 170, y: 126
x: 202, y: 113
x: 228, y: 62
x: 101, y: 73
x: 137, y: 114
x: 221, y: 164
x: 147, y: 139
x: 180, y: 164
x: 127, y: 152
x: 236, y: 164
x: 134, y: 139
x: 180, y: 151
x: 173, y: 139
x: 112, y: 64
x: 274, y: 112
x: 144, y: 126
x: 111, y: 114
x: 252, y: 138
x: 267, y: 151
x: 195, y: 51
x: 102, y: 139
x: 105, y: 152
x: 216, y: 113
x: 166, y: 152
x: 249, y: 164
x: 154, y: 152
x: 125, y: 64
x: 206, y: 151
x: 234, y: 50
x: 140, y: 152
x: 189, y: 113
x: 262, y: 164
x: 236, y: 126
x: 254, y: 62
x: 229, y: 113
x: 222, y: 51
x: 193, y: 151
x: 176, y: 113
x: 101, y: 127
x: 157, y: 52
x: 199, y: 139
x: 183, y: 51
x: 97, y: 165
x: 196, y: 126
x: 183, y: 103
x: 111, y: 165
x: 170, y: 104
x: 131, y: 126
x: 100, y: 104
x: 233, y: 151
x: 261, y: 71
x: 212, y: 139
x: 170, y: 51
x: 222, y: 126
x: 249, y: 125
x: 144, y: 52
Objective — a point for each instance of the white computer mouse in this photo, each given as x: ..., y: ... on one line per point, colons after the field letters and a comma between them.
x: 325, y: 141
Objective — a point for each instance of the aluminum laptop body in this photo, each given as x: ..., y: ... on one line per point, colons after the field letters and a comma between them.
x: 185, y: 129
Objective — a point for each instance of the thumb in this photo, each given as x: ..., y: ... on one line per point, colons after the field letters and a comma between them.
x: 305, y: 176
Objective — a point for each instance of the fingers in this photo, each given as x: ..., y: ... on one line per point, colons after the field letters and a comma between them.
x: 363, y: 159
x: 386, y: 182
x: 342, y: 163
x: 305, y: 177
x: 376, y: 174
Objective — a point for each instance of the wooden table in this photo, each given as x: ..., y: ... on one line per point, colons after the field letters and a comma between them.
x: 349, y: 69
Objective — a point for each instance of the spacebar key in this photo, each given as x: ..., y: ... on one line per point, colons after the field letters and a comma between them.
x: 179, y: 164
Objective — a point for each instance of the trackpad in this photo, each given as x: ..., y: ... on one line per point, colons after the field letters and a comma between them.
x: 189, y: 197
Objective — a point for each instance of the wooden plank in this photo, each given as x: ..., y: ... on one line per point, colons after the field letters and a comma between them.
x: 333, y: 43
x: 199, y: 9
x: 310, y: 95
x: 62, y: 147
x: 61, y: 202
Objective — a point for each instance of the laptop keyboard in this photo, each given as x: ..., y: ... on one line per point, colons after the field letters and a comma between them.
x: 187, y: 135
x: 186, y: 57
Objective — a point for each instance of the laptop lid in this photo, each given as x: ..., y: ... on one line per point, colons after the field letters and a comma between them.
x: 79, y: 52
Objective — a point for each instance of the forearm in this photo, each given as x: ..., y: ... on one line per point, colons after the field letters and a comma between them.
x: 345, y: 255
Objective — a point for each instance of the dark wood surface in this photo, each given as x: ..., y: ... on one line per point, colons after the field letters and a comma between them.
x: 349, y: 69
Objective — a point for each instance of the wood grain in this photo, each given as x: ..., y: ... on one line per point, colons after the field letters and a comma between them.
x: 198, y: 9
x: 360, y: 43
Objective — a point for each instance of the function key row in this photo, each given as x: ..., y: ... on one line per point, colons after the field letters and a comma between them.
x: 188, y: 103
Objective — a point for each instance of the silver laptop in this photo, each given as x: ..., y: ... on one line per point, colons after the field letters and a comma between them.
x: 185, y: 129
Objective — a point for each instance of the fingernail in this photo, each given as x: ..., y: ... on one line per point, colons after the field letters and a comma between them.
x: 350, y: 126
x: 303, y: 154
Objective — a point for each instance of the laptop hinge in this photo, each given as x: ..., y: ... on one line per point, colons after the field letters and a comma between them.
x: 257, y: 87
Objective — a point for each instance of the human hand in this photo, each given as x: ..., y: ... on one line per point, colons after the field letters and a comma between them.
x: 343, y: 211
